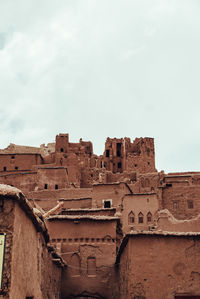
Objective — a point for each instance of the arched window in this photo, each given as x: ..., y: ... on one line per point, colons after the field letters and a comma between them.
x: 131, y: 218
x: 149, y: 217
x: 91, y: 266
x: 75, y: 264
x: 140, y: 218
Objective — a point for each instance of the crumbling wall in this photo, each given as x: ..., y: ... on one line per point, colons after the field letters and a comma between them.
x: 89, y: 253
x: 120, y: 154
x: 167, y: 222
x: 160, y: 267
x: 183, y: 201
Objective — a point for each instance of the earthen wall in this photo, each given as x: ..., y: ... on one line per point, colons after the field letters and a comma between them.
x: 90, y: 255
x: 170, y: 266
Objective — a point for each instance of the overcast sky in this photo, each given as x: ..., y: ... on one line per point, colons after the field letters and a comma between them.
x: 99, y: 68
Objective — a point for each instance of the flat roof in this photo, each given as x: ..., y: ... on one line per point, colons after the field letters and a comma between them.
x: 158, y: 233
x: 82, y: 217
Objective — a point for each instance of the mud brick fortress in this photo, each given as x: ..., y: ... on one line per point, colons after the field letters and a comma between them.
x: 77, y: 225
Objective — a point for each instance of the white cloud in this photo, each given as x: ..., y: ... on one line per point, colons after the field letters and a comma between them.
x: 102, y: 68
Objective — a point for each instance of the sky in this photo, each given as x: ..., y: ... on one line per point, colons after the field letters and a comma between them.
x: 102, y: 68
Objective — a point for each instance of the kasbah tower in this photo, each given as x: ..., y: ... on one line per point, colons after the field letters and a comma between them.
x: 77, y: 225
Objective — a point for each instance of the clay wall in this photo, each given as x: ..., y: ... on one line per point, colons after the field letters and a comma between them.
x: 160, y: 267
x: 62, y: 143
x: 52, y: 178
x: 98, y: 212
x: 167, y: 222
x: 89, y: 253
x: 139, y: 211
x: 183, y: 201
x: 28, y: 269
x: 68, y: 193
x: 75, y: 203
x: 32, y: 271
x: 105, y: 192
x: 26, y: 181
x: 141, y: 156
x: 73, y: 198
x: 7, y: 226
x: 121, y: 154
x: 19, y: 162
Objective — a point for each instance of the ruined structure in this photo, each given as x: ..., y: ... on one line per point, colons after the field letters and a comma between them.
x: 104, y: 227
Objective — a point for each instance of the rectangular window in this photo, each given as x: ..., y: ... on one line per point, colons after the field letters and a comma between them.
x: 190, y: 204
x: 107, y: 153
x: 175, y: 205
x: 119, y: 149
x: 107, y: 204
x: 119, y: 165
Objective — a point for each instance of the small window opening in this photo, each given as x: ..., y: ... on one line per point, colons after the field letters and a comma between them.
x: 29, y: 297
x: 149, y: 217
x: 12, y: 157
x: 107, y: 153
x: 135, y: 165
x: 119, y: 165
x: 4, y: 169
x: 107, y: 204
x: 131, y: 218
x: 16, y: 167
x: 148, y: 163
x: 91, y: 266
x: 61, y: 150
x: 168, y: 185
x: 190, y: 204
x: 56, y: 186
x: 140, y: 218
x: 175, y: 205
x: 45, y: 186
x: 119, y: 149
